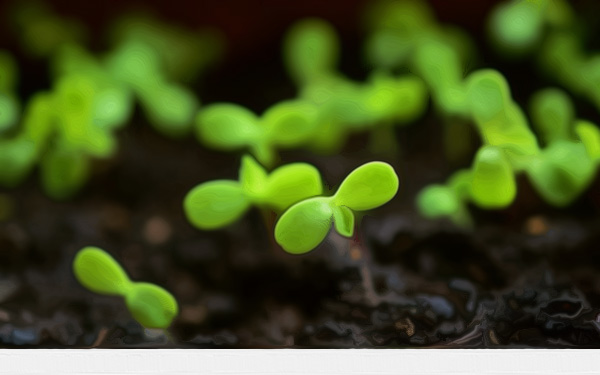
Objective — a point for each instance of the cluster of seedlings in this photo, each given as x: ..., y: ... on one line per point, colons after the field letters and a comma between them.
x: 63, y: 130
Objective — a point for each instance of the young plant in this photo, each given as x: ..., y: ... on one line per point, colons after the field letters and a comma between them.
x: 227, y: 126
x: 149, y: 304
x: 311, y: 50
x: 305, y: 225
x: 215, y: 204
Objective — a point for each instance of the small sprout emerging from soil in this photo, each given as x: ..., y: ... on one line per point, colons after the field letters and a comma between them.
x: 287, y: 124
x: 215, y: 204
x: 304, y: 225
x: 149, y: 304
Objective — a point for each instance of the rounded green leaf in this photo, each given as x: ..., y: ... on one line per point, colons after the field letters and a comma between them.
x: 99, y: 272
x: 304, y: 226
x: 292, y: 183
x: 517, y: 25
x: 438, y: 201
x: 493, y: 182
x: 215, y: 204
x: 253, y: 177
x: 343, y: 220
x: 170, y: 108
x: 290, y: 123
x: 552, y: 114
x: 368, y: 186
x: 311, y: 50
x: 227, y: 126
x: 151, y: 305
x: 488, y: 94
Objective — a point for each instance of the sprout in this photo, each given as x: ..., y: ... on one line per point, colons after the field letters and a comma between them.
x: 287, y: 124
x: 304, y: 225
x: 149, y: 304
x: 215, y: 204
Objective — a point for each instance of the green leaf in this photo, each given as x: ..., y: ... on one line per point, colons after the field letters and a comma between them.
x: 311, y: 50
x: 170, y: 108
x: 368, y: 186
x: 253, y: 178
x: 63, y: 172
x: 589, y: 134
x: 39, y: 120
x: 517, y: 25
x: 488, y: 94
x: 552, y: 114
x: 292, y: 183
x: 215, y: 204
x: 493, y: 185
x: 304, y: 226
x: 96, y: 270
x: 343, y: 221
x: 227, y: 126
x: 562, y: 172
x: 290, y: 123
x: 151, y: 305
x: 437, y: 201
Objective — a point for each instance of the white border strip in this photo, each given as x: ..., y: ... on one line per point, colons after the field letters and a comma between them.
x: 300, y: 361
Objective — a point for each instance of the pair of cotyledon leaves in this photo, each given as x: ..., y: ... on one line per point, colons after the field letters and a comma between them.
x: 306, y: 223
x: 149, y: 304
x: 229, y: 126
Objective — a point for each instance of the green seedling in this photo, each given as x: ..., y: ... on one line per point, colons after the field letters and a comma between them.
x: 499, y: 120
x: 149, y: 304
x: 311, y: 50
x: 288, y: 124
x: 169, y: 106
x: 305, y: 225
x: 113, y: 101
x: 215, y: 204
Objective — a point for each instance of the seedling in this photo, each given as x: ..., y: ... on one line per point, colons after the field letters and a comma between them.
x: 304, y: 225
x: 287, y: 124
x: 215, y: 204
x: 149, y: 304
x: 139, y: 63
x: 311, y: 50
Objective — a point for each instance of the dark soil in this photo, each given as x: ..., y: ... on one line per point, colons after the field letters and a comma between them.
x: 526, y: 276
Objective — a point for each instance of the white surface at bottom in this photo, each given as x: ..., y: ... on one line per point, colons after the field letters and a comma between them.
x: 300, y: 361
